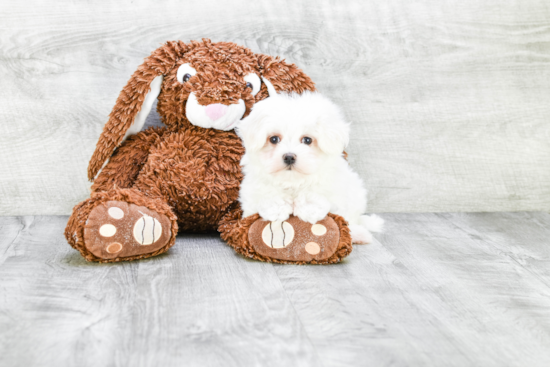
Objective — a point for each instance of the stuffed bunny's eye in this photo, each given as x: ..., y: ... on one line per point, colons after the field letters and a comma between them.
x: 253, y: 82
x: 185, y: 72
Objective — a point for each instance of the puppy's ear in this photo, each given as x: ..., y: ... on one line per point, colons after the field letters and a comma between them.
x: 285, y: 77
x: 251, y: 130
x: 134, y: 102
x: 333, y: 129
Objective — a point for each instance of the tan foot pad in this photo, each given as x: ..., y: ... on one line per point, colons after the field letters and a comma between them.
x: 118, y: 229
x: 295, y: 240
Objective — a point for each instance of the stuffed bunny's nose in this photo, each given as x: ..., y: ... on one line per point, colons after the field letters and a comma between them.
x: 215, y: 111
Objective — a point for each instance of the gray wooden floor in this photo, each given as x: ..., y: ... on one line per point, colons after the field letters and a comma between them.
x: 436, y: 289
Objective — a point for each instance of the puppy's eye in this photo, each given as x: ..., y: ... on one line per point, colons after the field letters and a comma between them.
x: 274, y: 140
x: 307, y: 140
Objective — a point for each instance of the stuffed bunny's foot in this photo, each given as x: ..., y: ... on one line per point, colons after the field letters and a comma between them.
x: 297, y: 241
x: 116, y: 229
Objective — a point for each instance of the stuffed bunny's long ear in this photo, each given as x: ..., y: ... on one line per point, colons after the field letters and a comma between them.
x: 286, y: 77
x: 270, y: 88
x: 145, y: 108
x: 134, y: 103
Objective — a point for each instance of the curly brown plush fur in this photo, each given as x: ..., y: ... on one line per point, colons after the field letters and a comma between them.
x: 188, y: 173
x: 220, y: 69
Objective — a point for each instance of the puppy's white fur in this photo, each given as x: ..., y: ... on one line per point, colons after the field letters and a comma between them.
x: 320, y: 181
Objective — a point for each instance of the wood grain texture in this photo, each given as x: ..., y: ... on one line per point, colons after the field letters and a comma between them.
x: 200, y: 304
x: 449, y: 101
x: 434, y: 290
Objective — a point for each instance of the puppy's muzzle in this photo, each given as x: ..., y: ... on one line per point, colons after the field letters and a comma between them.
x: 289, y: 159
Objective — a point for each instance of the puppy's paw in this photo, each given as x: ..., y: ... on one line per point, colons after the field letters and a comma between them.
x: 311, y: 208
x: 275, y: 210
x: 360, y: 235
x: 309, y: 212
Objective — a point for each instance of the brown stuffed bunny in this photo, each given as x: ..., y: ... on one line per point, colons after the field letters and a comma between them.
x: 186, y: 175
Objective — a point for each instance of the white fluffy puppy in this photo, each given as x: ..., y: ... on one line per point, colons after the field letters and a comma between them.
x: 294, y: 163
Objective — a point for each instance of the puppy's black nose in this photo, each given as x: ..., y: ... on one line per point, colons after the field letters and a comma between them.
x: 289, y: 158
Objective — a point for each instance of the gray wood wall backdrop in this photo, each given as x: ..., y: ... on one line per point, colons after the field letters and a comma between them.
x: 450, y: 100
